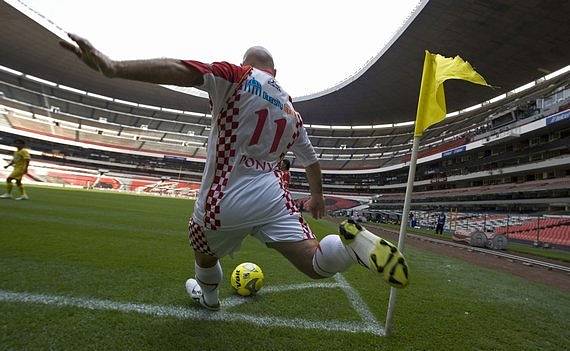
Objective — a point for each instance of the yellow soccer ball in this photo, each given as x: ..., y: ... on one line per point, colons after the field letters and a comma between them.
x: 247, y: 279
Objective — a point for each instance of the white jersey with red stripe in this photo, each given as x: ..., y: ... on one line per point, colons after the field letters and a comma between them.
x: 254, y: 125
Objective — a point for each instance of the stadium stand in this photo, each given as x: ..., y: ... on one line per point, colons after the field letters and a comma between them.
x: 514, y: 150
x: 550, y: 230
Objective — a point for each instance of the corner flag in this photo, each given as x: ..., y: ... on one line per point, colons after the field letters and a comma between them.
x: 438, y: 69
x: 431, y: 109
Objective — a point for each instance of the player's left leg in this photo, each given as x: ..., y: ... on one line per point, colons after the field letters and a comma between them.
x: 7, y: 194
x: 208, y: 275
x: 208, y: 272
x: 210, y: 245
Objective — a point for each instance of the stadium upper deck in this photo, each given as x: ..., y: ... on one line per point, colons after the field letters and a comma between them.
x: 510, y: 43
x: 74, y: 115
x: 522, y: 138
x: 361, y: 129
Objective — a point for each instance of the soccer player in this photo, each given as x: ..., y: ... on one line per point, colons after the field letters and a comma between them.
x: 20, y: 161
x: 254, y: 125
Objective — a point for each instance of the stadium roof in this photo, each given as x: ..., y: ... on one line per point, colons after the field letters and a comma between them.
x: 509, y: 42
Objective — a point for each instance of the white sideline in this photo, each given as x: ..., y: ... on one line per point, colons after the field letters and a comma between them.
x: 368, y: 324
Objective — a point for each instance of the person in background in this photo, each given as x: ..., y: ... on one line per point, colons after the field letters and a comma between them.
x: 413, y: 220
x: 440, y: 223
x: 20, y: 161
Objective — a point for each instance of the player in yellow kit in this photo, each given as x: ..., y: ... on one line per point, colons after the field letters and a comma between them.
x: 20, y: 161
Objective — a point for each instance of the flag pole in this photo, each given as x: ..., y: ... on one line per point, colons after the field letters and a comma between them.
x: 403, y: 226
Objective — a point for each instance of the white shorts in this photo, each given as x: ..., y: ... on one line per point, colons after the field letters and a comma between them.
x: 219, y: 243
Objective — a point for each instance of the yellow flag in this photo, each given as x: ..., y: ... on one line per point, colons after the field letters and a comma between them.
x: 438, y: 69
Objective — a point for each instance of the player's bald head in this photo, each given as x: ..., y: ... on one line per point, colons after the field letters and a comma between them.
x: 258, y: 57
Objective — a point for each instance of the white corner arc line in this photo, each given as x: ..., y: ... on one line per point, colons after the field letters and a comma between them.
x: 356, y: 301
x: 367, y: 325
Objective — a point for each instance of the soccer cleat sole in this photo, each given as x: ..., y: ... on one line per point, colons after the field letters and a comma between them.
x: 349, y: 229
x: 387, y: 260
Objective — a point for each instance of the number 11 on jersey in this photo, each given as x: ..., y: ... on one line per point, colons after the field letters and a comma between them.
x: 261, y: 119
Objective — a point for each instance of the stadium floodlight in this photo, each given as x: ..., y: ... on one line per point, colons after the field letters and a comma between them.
x: 522, y: 88
x: 190, y: 113
x: 149, y: 107
x: 126, y: 102
x: 341, y: 127
x: 498, y: 98
x: 172, y: 110
x: 362, y: 127
x: 471, y: 108
x: 557, y: 73
x: 103, y: 97
x: 404, y: 124
x: 11, y: 71
x: 39, y: 80
x: 320, y: 126
x: 381, y: 126
x: 73, y: 90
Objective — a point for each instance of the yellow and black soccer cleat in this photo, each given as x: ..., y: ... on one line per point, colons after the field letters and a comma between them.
x: 375, y: 253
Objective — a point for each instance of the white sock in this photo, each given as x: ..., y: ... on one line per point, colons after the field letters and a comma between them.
x: 331, y: 257
x: 209, y: 280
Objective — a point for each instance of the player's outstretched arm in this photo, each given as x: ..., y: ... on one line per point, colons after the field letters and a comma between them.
x: 316, y: 204
x: 159, y: 71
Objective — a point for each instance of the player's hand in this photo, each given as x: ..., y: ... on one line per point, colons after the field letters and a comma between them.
x: 316, y: 205
x: 91, y: 56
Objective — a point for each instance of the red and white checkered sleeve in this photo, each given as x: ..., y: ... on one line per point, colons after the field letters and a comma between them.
x: 219, y: 77
x: 303, y: 149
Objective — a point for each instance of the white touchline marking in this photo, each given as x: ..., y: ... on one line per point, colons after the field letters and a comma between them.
x: 367, y: 325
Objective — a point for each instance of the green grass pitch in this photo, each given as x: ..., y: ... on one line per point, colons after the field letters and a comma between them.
x: 134, y: 250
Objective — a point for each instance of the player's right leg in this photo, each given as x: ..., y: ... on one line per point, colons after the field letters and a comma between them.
x: 375, y: 253
x: 316, y: 259
x: 331, y: 255
x: 7, y: 194
x: 23, y: 195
